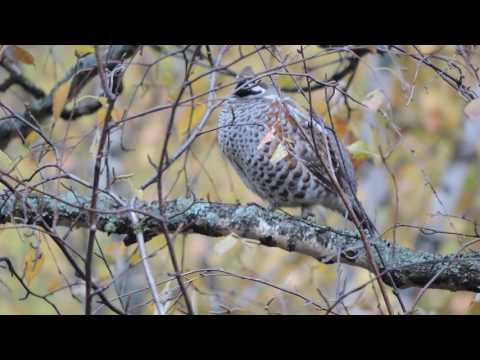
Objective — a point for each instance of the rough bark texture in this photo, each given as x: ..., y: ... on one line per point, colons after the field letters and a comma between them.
x: 407, y: 268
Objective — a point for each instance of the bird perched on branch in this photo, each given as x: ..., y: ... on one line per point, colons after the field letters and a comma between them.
x: 283, y: 154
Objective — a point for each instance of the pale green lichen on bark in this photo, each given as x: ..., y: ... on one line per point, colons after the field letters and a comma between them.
x: 184, y: 204
x: 408, y: 268
x: 211, y: 218
x: 110, y: 226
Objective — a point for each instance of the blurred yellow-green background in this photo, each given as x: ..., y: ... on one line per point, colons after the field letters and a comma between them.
x: 415, y: 119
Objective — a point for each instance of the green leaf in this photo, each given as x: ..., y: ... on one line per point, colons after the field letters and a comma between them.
x: 360, y: 149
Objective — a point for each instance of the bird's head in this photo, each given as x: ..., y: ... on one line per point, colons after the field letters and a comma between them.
x: 247, y: 86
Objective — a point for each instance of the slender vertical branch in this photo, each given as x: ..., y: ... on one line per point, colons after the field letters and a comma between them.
x: 160, y: 170
x: 143, y: 253
x: 96, y: 180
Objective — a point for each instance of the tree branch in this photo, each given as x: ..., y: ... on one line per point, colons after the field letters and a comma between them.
x: 79, y: 75
x: 16, y: 77
x: 407, y: 268
x: 350, y: 69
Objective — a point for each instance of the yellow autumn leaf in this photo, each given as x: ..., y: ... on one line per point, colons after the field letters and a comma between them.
x: 53, y: 284
x: 279, y: 153
x: 82, y: 50
x: 159, y: 240
x: 30, y: 139
x: 135, y: 258
x: 116, y: 115
x: 60, y: 98
x: 33, y: 263
x: 23, y: 55
x: 102, y: 112
x: 472, y: 110
x: 198, y: 113
x: 286, y: 82
x: 184, y: 123
x: 103, y: 100
x: 101, y: 116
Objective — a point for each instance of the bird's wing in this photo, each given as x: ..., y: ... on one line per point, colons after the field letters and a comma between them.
x: 322, y: 150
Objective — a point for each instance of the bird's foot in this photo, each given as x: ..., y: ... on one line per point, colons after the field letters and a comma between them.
x: 309, y: 218
x: 313, y: 214
x: 308, y: 214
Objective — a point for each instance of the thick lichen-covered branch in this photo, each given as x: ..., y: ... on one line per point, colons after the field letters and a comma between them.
x: 406, y: 267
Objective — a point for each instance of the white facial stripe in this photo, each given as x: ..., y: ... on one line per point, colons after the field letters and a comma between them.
x: 273, y: 97
x: 258, y: 90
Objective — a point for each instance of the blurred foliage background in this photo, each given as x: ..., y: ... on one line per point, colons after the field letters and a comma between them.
x: 404, y: 142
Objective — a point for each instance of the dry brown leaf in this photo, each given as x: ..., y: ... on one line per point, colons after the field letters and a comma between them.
x: 359, y: 152
x: 341, y: 125
x: 267, y: 138
x: 357, y: 162
x: 33, y: 263
x: 23, y: 55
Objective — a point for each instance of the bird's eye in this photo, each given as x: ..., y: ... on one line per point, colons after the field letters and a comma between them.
x: 252, y: 88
